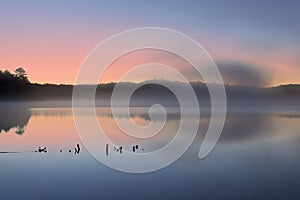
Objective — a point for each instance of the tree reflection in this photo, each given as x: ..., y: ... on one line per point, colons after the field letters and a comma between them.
x: 14, y: 118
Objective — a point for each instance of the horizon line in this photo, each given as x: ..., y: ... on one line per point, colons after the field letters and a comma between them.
x: 171, y: 81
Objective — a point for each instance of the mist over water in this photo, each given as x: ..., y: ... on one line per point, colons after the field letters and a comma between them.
x: 257, y: 152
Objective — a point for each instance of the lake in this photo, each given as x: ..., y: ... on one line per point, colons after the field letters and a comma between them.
x: 256, y: 157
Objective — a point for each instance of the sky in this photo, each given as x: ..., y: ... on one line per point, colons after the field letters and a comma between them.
x: 252, y: 42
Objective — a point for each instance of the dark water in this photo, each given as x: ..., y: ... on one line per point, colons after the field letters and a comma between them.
x: 257, y: 157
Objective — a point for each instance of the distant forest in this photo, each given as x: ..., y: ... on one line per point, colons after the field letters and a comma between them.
x: 17, y: 87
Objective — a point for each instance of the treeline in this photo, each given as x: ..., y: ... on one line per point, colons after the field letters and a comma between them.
x: 16, y: 87
x: 19, y: 77
x: 13, y: 84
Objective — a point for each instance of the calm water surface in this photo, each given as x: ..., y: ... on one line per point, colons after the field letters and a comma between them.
x: 257, y: 156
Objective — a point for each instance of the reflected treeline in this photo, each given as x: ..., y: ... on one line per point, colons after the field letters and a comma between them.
x: 51, y: 112
x: 244, y: 127
x: 155, y: 117
x: 238, y: 126
x: 289, y: 115
x: 14, y: 118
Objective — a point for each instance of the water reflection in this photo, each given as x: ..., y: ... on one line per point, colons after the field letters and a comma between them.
x: 244, y: 127
x: 257, y: 150
x: 14, y: 118
x: 238, y: 126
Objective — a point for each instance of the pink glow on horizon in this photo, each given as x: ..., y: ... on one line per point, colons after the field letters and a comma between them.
x: 58, y: 59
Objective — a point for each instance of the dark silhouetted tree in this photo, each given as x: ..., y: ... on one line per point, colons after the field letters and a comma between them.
x: 21, y: 75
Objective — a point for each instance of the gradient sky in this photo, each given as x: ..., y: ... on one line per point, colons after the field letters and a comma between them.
x: 251, y: 41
